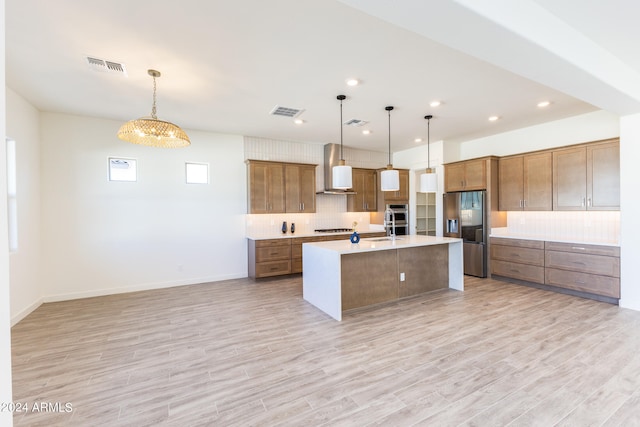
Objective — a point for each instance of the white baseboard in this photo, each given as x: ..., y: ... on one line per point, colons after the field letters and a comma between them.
x: 25, y: 312
x: 140, y: 287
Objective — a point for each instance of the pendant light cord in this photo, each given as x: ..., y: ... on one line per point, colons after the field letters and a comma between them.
x: 153, y: 108
x: 341, y: 126
x: 428, y: 117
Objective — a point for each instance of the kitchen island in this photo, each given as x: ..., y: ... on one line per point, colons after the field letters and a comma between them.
x: 340, y: 276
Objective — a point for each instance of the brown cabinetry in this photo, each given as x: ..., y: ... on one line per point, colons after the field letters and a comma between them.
x: 591, y: 270
x: 300, y: 188
x: 277, y: 257
x: 525, y: 182
x: 276, y: 187
x: 587, y: 268
x: 518, y: 259
x: 468, y: 175
x: 266, y: 188
x: 587, y: 177
x: 269, y: 257
x: 365, y: 185
x: 402, y: 195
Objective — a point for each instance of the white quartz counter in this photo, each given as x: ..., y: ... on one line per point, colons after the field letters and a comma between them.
x: 288, y: 235
x: 381, y: 243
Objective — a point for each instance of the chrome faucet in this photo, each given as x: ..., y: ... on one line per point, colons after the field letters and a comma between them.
x: 390, y: 216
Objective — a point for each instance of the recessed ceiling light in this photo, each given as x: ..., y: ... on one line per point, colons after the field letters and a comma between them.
x: 353, y: 82
x: 435, y: 103
x: 417, y: 140
x: 544, y: 104
x: 493, y: 118
x: 366, y: 132
x: 298, y: 121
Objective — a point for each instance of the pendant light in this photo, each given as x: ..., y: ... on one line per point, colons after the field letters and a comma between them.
x: 151, y: 131
x: 390, y: 178
x: 341, y: 173
x: 428, y: 180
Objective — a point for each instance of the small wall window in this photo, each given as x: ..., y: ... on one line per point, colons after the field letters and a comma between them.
x: 122, y: 169
x: 197, y: 173
x: 12, y: 194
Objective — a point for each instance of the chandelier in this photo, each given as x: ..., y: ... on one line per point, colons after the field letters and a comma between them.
x: 151, y: 131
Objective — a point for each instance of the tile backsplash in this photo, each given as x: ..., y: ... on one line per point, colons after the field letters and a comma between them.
x: 331, y: 212
x: 586, y: 226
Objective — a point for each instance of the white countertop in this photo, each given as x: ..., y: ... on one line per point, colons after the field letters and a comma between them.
x: 555, y: 239
x: 288, y: 235
x: 374, y: 243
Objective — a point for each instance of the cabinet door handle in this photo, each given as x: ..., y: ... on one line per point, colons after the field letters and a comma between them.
x: 589, y: 201
x: 583, y: 202
x: 520, y: 203
x: 578, y: 248
x: 524, y: 203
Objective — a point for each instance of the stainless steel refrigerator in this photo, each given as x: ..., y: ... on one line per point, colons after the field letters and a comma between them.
x: 465, y: 218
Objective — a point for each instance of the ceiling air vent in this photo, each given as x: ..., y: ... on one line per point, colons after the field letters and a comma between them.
x: 355, y: 122
x: 286, y: 111
x: 98, y: 64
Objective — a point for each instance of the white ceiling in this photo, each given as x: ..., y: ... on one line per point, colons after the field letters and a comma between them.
x: 226, y: 64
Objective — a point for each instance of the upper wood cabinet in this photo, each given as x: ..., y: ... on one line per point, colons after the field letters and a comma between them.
x: 266, y: 187
x: 402, y: 195
x: 300, y: 188
x: 603, y: 176
x: 587, y: 177
x: 469, y: 175
x: 525, y: 182
x: 365, y: 185
x: 276, y: 187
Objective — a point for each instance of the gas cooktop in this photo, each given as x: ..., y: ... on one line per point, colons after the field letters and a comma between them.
x: 332, y: 230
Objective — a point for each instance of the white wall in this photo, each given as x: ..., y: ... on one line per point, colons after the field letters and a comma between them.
x: 574, y: 130
x: 6, y: 395
x: 102, y: 237
x: 629, y: 211
x: 23, y: 126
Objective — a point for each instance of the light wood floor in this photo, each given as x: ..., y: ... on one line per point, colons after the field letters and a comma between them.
x: 251, y: 353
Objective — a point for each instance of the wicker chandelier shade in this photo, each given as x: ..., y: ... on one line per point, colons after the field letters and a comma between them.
x: 151, y: 131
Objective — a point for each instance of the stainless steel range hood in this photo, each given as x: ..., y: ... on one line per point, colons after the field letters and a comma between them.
x: 331, y: 159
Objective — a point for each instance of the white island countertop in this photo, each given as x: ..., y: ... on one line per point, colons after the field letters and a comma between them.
x: 382, y: 243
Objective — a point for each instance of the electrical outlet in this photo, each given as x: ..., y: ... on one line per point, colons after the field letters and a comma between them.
x: 402, y: 277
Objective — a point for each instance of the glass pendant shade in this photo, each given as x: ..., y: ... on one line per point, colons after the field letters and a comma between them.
x: 151, y: 131
x: 342, y: 177
x: 428, y: 182
x: 390, y: 179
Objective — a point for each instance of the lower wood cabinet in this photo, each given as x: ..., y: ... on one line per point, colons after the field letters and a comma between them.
x: 278, y: 257
x: 518, y: 259
x: 591, y: 270
x: 269, y: 257
x: 587, y: 268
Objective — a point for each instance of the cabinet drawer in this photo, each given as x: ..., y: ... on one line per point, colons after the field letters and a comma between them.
x: 613, y: 251
x: 583, y: 263
x: 272, y: 242
x: 519, y: 255
x: 273, y: 253
x: 599, y: 285
x: 273, y: 268
x: 520, y: 243
x: 530, y: 273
